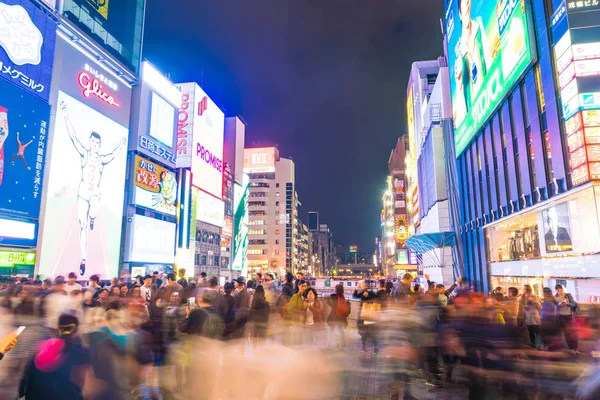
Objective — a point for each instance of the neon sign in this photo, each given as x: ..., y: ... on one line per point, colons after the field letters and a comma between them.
x: 93, y: 86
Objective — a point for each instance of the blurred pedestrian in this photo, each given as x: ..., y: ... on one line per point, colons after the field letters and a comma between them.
x: 56, y: 371
x: 337, y: 320
x: 260, y: 311
x: 533, y: 317
x: 567, y: 307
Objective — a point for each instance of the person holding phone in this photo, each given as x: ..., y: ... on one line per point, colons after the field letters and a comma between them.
x: 8, y: 342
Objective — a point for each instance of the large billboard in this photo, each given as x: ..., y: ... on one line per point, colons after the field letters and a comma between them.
x: 210, y: 209
x: 27, y: 40
x: 24, y: 123
x: 84, y: 204
x: 489, y: 49
x: 153, y: 117
x: 86, y: 170
x: 240, y: 242
x: 155, y: 186
x: 151, y: 241
x: 260, y: 160
x: 200, y: 132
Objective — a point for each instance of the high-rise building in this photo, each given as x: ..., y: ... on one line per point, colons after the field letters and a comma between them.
x: 431, y: 123
x: 273, y: 211
x: 323, y: 251
x: 527, y: 160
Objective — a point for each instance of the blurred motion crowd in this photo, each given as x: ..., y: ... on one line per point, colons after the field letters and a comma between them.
x: 162, y: 336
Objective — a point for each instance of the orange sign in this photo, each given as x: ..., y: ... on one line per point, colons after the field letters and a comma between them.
x: 260, y: 160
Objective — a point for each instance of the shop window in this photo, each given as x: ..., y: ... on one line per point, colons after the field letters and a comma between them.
x: 515, y: 239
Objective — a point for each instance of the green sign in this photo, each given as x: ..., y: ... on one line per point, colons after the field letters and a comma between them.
x: 402, y: 256
x: 489, y: 49
x: 12, y: 258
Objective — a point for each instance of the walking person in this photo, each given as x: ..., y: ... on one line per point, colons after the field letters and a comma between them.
x: 260, y: 311
x: 533, y: 317
x: 337, y: 320
x: 367, y: 315
x: 567, y: 307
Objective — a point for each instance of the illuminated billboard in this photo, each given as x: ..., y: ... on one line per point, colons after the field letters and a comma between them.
x: 260, y: 160
x: 27, y: 39
x: 210, y: 209
x: 151, y: 240
x: 153, y: 115
x: 489, y: 49
x: 24, y: 121
x: 240, y: 242
x: 84, y: 205
x: 155, y: 186
x: 200, y: 133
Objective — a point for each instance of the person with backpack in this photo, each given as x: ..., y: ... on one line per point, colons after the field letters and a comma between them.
x: 338, y: 316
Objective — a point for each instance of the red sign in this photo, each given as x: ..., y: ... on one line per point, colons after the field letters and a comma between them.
x: 577, y: 158
x: 574, y: 124
x: 228, y: 227
x: 202, y: 106
x: 580, y: 175
x: 575, y: 141
x: 93, y: 86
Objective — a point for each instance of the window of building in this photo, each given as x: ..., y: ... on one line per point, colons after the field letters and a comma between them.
x: 216, y: 261
x: 277, y: 231
x: 256, y: 242
x: 277, y: 185
x: 276, y: 241
x: 276, y: 204
x: 276, y: 252
x: 196, y: 259
x: 204, y: 237
x: 203, y: 259
x: 256, y: 204
x: 258, y: 185
x: 277, y: 194
x: 256, y: 213
x: 514, y: 240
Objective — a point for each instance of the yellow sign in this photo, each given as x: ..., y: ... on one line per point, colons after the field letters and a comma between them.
x: 401, y: 229
x: 101, y: 6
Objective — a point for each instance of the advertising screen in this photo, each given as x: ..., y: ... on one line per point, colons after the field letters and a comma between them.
x: 210, y: 210
x: 207, y: 147
x: 489, y: 49
x: 260, y: 160
x: 84, y: 205
x: 240, y: 243
x: 18, y: 233
x: 151, y: 240
x: 27, y: 51
x: 557, y: 230
x: 23, y: 137
x: 162, y: 120
x: 200, y: 132
x: 155, y: 186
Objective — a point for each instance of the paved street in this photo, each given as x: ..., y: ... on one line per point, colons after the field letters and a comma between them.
x: 366, y: 377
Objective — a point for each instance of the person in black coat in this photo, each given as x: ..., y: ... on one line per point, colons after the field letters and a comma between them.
x: 260, y: 311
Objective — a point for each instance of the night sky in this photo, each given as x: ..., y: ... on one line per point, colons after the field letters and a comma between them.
x: 324, y: 80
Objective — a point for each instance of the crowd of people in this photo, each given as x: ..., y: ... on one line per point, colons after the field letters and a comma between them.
x: 159, y: 334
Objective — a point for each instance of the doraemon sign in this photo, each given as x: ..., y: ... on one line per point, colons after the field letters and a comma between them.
x: 27, y: 39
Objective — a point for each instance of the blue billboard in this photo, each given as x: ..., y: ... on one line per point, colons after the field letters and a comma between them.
x: 24, y: 123
x: 27, y: 53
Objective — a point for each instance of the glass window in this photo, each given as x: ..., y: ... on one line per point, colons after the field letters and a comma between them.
x: 514, y: 239
x: 204, y: 237
x: 115, y: 25
x: 203, y: 260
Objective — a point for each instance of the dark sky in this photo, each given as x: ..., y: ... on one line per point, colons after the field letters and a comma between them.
x: 324, y: 80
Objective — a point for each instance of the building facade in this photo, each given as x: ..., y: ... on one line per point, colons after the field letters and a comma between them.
x: 272, y: 211
x: 525, y: 130
x: 431, y: 124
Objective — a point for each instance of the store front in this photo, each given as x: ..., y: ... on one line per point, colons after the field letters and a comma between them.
x: 557, y: 242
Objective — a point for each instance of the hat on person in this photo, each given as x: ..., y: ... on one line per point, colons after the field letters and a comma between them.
x: 240, y: 280
x: 72, y: 275
x: 59, y: 280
